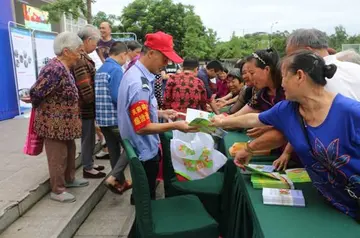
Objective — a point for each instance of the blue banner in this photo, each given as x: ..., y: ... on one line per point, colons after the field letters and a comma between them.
x: 8, y: 96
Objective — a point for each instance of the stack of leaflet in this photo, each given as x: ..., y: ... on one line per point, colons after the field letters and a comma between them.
x: 201, y: 120
x: 285, y: 197
x: 263, y: 177
x: 298, y: 175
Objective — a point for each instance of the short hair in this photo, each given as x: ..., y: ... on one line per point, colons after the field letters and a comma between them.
x: 117, y: 48
x: 89, y: 31
x: 106, y: 22
x: 66, y: 40
x: 225, y: 70
x: 240, y: 64
x: 215, y: 65
x: 312, y: 64
x: 268, y: 57
x: 313, y: 38
x: 190, y: 64
x: 349, y: 56
x: 133, y: 45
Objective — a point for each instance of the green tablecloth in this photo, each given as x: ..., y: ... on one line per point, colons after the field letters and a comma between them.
x: 318, y: 219
x: 249, y: 217
x: 233, y: 137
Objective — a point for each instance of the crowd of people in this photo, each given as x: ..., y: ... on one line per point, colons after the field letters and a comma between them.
x: 305, y: 105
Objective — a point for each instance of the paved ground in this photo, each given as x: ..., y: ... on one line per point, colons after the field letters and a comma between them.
x: 19, y: 174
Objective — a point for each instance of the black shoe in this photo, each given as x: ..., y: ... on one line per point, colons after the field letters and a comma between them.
x: 107, y: 156
x: 100, y: 168
x: 94, y: 176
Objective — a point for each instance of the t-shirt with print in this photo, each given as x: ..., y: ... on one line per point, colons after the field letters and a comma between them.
x: 185, y: 90
x: 335, y: 160
x: 262, y: 101
x: 104, y: 47
x: 172, y: 68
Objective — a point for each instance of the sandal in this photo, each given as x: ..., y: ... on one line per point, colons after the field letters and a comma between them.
x: 117, y: 189
x: 126, y: 186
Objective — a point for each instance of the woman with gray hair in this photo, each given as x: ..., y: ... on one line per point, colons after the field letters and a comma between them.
x: 55, y: 99
x: 84, y: 74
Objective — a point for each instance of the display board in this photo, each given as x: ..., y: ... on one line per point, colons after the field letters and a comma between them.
x: 24, y: 63
x: 44, y: 48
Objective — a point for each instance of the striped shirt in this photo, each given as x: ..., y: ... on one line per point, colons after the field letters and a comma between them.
x: 84, y: 73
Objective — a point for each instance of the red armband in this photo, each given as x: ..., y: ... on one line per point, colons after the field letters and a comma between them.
x: 139, y: 115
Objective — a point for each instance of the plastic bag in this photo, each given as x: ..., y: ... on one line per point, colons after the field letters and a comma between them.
x: 193, y: 155
x: 33, y: 144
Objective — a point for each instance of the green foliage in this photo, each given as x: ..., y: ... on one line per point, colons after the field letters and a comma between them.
x: 191, y: 37
x: 73, y: 8
x: 112, y: 19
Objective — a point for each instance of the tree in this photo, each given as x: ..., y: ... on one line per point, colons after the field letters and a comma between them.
x: 340, y: 37
x: 195, y: 40
x: 102, y: 16
x: 73, y: 8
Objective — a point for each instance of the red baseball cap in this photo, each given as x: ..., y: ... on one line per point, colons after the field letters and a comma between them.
x: 164, y: 43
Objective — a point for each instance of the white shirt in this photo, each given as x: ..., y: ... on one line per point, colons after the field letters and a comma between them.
x: 95, y: 57
x: 346, y: 80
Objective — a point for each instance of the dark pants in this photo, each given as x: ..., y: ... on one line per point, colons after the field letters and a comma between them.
x: 152, y: 169
x: 118, y: 160
x: 87, y: 143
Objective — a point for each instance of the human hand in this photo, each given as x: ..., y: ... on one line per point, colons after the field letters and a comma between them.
x: 282, y: 162
x: 241, y: 158
x: 183, y: 126
x: 217, y: 120
x: 168, y: 114
x: 221, y: 104
x: 258, y: 131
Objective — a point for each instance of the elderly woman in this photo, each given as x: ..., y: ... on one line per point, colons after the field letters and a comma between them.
x: 84, y: 74
x: 248, y: 91
x: 55, y: 98
x: 328, y: 144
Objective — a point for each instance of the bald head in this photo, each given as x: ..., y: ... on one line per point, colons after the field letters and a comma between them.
x: 105, y: 30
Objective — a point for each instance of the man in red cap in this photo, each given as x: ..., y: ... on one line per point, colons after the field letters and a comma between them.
x: 137, y: 106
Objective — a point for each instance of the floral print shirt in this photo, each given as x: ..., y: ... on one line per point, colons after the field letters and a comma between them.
x: 56, y: 100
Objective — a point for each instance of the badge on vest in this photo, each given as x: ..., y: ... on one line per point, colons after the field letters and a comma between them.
x: 145, y: 83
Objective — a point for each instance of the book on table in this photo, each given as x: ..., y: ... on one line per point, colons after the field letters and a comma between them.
x: 201, y: 119
x: 263, y: 177
x: 259, y: 181
x: 298, y: 175
x: 284, y: 197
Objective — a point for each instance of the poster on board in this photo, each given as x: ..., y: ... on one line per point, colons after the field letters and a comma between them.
x: 24, y: 62
x: 36, y: 19
x: 44, y: 45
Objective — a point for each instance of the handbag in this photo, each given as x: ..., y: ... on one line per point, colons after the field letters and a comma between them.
x: 347, y: 188
x: 33, y: 143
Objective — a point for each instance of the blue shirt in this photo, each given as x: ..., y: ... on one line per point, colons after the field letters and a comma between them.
x: 202, y: 74
x: 138, y: 85
x: 107, y: 82
x: 336, y: 145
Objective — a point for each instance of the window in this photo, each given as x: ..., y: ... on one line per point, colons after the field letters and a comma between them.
x: 74, y: 25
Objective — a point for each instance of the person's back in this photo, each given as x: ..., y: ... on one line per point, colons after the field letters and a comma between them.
x: 185, y: 90
x: 346, y: 79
